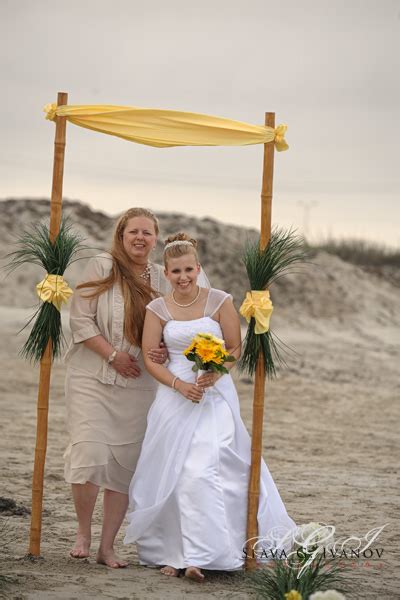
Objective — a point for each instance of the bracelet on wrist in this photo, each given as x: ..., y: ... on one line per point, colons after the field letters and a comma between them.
x: 175, y: 379
x: 112, y: 356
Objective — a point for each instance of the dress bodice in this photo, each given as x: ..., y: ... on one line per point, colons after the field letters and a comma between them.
x: 179, y: 334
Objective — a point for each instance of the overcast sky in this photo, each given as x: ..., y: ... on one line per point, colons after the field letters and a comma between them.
x: 328, y: 68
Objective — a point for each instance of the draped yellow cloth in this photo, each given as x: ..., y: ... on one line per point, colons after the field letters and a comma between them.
x: 54, y: 289
x: 166, y: 128
x: 257, y: 304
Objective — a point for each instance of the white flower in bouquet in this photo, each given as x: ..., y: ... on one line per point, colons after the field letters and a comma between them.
x: 313, y: 535
x: 327, y: 595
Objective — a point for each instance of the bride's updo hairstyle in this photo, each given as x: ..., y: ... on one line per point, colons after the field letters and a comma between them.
x: 174, y: 249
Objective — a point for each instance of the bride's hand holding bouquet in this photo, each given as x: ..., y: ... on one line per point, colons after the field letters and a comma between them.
x: 209, y: 356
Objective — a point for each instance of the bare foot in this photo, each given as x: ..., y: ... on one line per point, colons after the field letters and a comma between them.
x: 81, y: 548
x: 170, y: 571
x: 110, y: 560
x: 194, y: 573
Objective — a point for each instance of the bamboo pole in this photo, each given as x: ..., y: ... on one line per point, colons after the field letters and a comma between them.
x: 46, y: 361
x: 259, y: 384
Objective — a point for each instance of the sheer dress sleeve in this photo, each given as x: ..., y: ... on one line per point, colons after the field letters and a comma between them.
x: 216, y: 298
x: 158, y: 307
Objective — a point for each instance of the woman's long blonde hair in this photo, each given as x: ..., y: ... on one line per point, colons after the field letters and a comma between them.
x: 136, y: 291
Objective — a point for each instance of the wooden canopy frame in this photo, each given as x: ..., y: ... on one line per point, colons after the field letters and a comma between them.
x: 46, y: 361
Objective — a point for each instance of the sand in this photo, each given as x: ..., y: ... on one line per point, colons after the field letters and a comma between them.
x: 331, y: 427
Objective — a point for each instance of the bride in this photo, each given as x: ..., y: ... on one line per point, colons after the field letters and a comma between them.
x: 188, y: 496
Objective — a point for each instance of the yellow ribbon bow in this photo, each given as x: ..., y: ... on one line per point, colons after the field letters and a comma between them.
x: 50, y: 110
x: 54, y: 289
x: 257, y: 304
x: 280, y: 142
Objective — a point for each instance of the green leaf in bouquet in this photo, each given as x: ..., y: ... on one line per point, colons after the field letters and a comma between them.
x: 198, y: 362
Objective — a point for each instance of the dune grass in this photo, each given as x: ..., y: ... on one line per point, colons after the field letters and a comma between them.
x: 358, y: 252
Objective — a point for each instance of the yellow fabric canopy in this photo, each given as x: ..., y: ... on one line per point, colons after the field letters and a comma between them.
x: 166, y: 128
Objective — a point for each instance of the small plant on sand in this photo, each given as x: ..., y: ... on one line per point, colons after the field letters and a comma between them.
x: 276, y: 580
x: 304, y: 572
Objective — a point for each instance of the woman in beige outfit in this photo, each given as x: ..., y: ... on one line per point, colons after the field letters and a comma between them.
x: 108, y: 389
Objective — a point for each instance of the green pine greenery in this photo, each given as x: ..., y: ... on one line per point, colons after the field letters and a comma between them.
x: 34, y: 247
x: 284, y: 251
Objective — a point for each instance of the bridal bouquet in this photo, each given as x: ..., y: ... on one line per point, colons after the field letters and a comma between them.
x: 208, y: 353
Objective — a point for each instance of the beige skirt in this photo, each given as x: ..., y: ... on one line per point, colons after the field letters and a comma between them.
x: 107, y: 424
x: 110, y: 467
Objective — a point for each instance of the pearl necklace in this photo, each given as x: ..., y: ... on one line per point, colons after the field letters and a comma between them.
x: 190, y: 303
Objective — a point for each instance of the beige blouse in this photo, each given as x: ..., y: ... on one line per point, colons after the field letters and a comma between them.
x: 104, y: 316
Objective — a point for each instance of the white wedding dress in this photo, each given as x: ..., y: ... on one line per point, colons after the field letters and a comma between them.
x: 188, y: 497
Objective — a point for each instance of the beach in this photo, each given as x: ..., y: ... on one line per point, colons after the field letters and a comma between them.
x: 330, y: 436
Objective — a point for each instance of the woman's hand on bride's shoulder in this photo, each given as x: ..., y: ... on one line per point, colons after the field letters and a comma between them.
x: 191, y: 391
